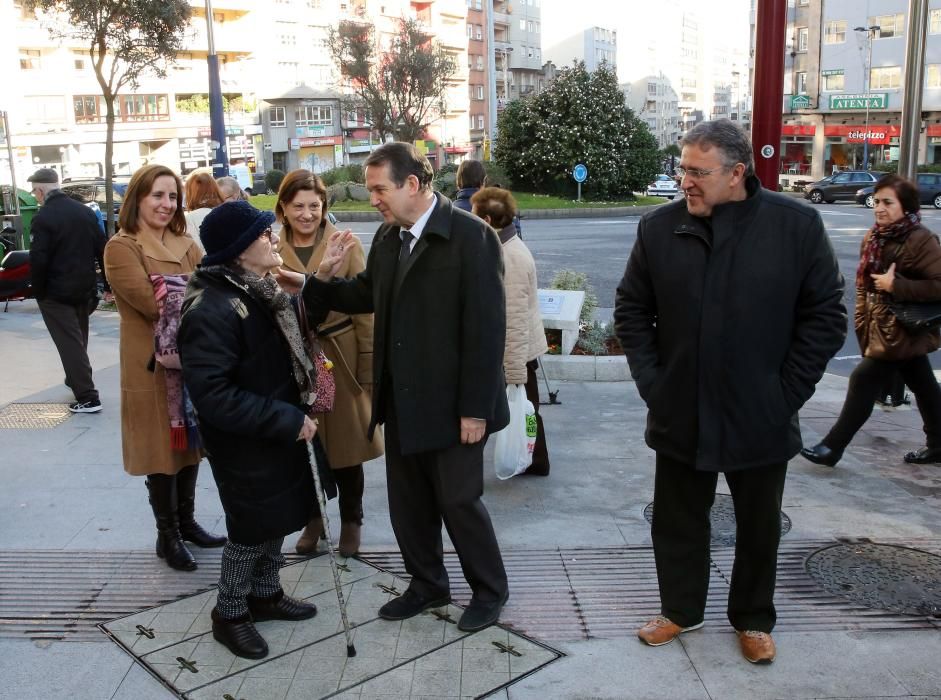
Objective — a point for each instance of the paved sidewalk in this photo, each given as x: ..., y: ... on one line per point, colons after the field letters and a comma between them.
x: 576, y: 545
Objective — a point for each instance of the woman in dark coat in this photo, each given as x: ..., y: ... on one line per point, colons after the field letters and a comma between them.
x: 250, y: 377
x: 900, y: 261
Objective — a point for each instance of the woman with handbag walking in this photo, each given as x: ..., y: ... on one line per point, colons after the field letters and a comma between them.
x: 899, y: 267
x: 347, y: 342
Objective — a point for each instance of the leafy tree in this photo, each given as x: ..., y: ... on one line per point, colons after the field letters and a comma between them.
x: 402, y: 89
x: 125, y: 39
x: 580, y: 118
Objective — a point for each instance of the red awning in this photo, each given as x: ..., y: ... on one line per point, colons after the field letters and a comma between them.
x: 878, y: 133
x: 457, y: 149
x: 798, y: 130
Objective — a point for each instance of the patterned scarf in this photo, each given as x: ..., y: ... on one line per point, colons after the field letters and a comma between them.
x: 266, y: 290
x: 870, y: 263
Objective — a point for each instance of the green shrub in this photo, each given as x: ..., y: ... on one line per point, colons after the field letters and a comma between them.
x: 345, y: 173
x: 571, y: 280
x: 273, y: 179
x: 592, y: 338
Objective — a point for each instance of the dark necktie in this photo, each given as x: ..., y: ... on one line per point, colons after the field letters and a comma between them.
x: 406, y: 249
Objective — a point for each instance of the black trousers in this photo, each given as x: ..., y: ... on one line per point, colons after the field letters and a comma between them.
x: 866, y: 384
x: 68, y: 326
x: 540, y: 465
x: 681, y: 541
x: 443, y: 485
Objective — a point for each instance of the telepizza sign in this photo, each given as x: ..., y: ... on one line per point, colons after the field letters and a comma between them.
x: 857, y: 134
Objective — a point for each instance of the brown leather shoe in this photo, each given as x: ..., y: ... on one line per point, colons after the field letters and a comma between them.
x: 757, y: 647
x: 349, y: 538
x: 661, y: 630
x: 307, y: 542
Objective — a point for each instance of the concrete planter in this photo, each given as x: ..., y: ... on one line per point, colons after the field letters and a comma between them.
x: 586, y: 368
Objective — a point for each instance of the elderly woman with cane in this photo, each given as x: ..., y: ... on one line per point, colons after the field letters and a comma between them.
x: 252, y: 382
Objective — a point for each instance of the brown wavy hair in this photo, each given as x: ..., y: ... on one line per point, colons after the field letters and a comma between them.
x: 497, y: 203
x: 202, y: 191
x: 294, y: 182
x: 142, y: 182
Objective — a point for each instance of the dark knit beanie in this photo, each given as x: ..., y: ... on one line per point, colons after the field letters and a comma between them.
x: 229, y: 229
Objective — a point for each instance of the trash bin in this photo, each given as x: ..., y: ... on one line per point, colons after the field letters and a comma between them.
x: 28, y: 206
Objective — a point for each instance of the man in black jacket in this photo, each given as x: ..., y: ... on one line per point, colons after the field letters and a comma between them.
x: 66, y: 242
x: 728, y: 312
x: 434, y: 279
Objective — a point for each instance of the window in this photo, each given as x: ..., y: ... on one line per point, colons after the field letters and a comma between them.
x: 890, y: 26
x: 803, y: 3
x: 885, y: 78
x: 530, y: 28
x: 651, y: 88
x: 144, y: 108
x: 313, y: 115
x: 803, y: 37
x: 78, y: 60
x: 287, y: 39
x: 833, y: 83
x: 276, y: 116
x: 86, y: 109
x: 934, y: 22
x: 473, y: 119
x: 313, y: 4
x: 477, y: 5
x: 30, y: 59
x: 480, y: 62
x: 480, y: 121
x: 470, y: 31
x: 801, y: 83
x: 834, y: 32
x: 479, y: 91
x: 479, y: 32
x: 934, y: 76
x: 522, y: 25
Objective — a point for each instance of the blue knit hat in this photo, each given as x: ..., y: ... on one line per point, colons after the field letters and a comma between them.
x: 229, y: 229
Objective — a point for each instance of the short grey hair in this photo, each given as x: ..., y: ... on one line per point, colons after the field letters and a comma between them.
x: 45, y: 187
x: 728, y: 137
x: 229, y: 186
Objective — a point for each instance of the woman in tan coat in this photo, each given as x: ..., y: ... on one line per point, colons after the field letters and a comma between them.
x: 525, y: 337
x: 153, y: 240
x: 347, y: 342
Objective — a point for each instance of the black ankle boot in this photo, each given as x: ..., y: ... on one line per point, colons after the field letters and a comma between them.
x: 186, y: 509
x: 170, y: 544
x: 239, y: 636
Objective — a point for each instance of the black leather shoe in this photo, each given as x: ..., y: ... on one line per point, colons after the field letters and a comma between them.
x: 239, y: 636
x: 926, y: 455
x: 280, y: 607
x: 821, y: 454
x: 480, y: 614
x: 410, y: 603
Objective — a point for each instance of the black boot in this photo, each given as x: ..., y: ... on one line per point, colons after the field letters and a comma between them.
x: 186, y: 509
x: 162, y: 489
x: 239, y: 635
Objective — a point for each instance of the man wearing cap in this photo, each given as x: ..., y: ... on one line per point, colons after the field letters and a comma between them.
x: 66, y: 242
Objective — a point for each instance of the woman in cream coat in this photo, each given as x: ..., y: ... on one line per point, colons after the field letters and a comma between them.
x: 347, y: 342
x: 525, y: 337
x: 153, y: 240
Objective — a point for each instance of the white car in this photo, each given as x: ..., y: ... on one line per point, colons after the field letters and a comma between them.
x: 663, y: 186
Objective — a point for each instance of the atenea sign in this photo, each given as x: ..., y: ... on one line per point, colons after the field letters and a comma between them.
x: 859, y: 102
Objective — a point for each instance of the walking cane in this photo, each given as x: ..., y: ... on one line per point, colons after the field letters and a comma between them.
x: 322, y: 500
x: 553, y: 395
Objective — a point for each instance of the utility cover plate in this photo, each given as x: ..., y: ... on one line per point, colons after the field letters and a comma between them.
x: 28, y: 416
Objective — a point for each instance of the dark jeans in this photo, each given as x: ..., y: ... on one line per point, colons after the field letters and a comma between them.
x: 350, y: 485
x: 681, y: 541
x: 866, y: 384
x: 68, y: 326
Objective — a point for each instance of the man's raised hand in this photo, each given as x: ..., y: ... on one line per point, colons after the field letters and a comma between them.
x: 338, y: 246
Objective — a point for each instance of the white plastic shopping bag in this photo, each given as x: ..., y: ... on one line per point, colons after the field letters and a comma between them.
x: 514, y: 445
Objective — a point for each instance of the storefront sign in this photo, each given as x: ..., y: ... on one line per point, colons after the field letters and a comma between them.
x: 229, y: 130
x: 859, y: 102
x: 311, y: 142
x: 798, y: 130
x: 832, y: 71
x: 302, y: 131
x: 800, y: 102
x: 857, y: 134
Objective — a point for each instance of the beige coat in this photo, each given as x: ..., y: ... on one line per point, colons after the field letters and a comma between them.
x: 525, y: 337
x: 343, y: 430
x: 145, y: 422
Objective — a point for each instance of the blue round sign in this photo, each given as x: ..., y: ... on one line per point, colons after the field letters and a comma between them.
x: 580, y: 173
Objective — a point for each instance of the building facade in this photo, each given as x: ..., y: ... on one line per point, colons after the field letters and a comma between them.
x: 594, y: 46
x: 655, y: 102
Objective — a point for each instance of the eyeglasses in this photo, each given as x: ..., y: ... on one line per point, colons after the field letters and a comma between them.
x: 267, y: 233
x: 696, y: 173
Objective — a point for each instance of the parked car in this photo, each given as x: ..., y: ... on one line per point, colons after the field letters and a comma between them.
x: 929, y: 191
x: 663, y: 186
x: 92, y: 189
x: 841, y: 185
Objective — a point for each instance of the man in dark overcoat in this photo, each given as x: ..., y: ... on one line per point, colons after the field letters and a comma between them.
x: 434, y: 279
x: 66, y: 243
x: 728, y: 312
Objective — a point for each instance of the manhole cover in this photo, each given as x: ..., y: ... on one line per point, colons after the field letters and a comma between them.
x: 722, y: 518
x: 881, y: 576
x: 33, y: 415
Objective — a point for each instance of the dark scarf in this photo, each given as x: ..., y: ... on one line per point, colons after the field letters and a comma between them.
x: 870, y: 263
x: 266, y: 290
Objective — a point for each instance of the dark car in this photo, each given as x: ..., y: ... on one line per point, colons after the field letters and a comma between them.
x: 92, y: 189
x: 841, y: 185
x: 929, y: 191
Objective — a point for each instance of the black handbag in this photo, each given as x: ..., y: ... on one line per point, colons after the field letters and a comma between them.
x: 918, y: 316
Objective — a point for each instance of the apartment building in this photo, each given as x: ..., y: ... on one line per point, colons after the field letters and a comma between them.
x: 594, y: 46
x: 654, y: 101
x: 283, y: 101
x: 843, y: 56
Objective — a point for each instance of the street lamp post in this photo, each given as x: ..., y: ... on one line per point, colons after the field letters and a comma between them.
x: 867, y: 80
x: 220, y: 160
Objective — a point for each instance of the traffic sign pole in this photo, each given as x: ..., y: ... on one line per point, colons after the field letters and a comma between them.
x: 580, y: 174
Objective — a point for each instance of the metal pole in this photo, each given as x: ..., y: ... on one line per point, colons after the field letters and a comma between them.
x: 911, y: 97
x: 770, y: 32
x: 492, y: 76
x: 868, y: 79
x: 9, y: 140
x: 220, y: 160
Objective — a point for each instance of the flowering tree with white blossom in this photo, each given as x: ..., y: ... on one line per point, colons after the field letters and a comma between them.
x: 580, y: 118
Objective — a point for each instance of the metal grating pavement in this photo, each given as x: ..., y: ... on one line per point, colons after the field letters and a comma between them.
x: 31, y: 416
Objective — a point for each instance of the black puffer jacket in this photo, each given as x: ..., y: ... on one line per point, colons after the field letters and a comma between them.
x: 237, y: 368
x: 728, y: 325
x: 66, y: 242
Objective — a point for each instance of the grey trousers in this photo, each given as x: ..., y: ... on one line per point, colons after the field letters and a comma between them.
x: 68, y: 326
x: 248, y: 569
